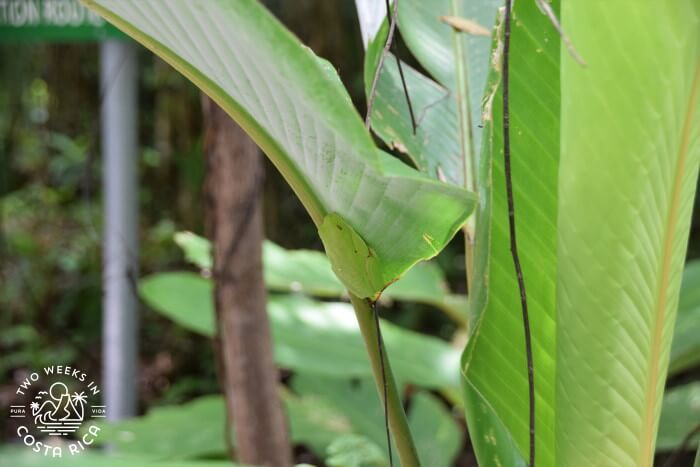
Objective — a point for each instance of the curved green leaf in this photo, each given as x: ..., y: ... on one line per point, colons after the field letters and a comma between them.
x: 607, y: 260
x: 494, y: 363
x: 436, y: 146
x: 294, y: 106
x: 434, y: 44
x: 491, y: 439
x: 630, y: 156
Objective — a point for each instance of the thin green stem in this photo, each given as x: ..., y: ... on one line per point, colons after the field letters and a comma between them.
x: 465, y: 136
x: 392, y: 402
x: 462, y: 95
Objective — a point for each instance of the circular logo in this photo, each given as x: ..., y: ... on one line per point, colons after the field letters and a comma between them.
x: 58, y: 402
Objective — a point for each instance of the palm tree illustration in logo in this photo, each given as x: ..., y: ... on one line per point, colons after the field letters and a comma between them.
x: 60, y: 409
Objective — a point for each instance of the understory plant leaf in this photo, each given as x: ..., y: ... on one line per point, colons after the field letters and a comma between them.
x: 355, y: 451
x: 434, y: 44
x: 23, y: 457
x: 294, y: 106
x: 680, y: 415
x: 310, y: 272
x: 437, y: 436
x: 494, y: 365
x: 685, y: 350
x: 310, y: 336
x: 436, y: 146
x: 626, y: 192
x: 158, y: 435
x: 195, y: 429
x: 326, y: 415
x: 602, y: 266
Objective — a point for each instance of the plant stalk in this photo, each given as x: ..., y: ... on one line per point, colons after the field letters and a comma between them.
x: 398, y: 424
x: 465, y: 138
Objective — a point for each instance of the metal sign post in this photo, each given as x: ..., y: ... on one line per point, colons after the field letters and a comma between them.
x: 120, y: 238
x: 68, y: 21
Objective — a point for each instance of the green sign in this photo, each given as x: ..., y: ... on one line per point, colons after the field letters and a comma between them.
x: 52, y: 21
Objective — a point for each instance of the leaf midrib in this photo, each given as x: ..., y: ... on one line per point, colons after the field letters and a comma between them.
x: 666, y: 270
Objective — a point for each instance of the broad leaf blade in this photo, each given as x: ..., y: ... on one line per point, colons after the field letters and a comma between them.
x: 315, y: 337
x: 355, y: 399
x: 438, y: 438
x: 196, y: 429
x: 434, y: 148
x: 436, y: 433
x: 294, y: 106
x: 494, y: 363
x: 433, y: 43
x: 190, y: 430
x: 630, y: 155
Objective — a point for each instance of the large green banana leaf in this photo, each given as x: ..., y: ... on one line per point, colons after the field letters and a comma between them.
x: 376, y: 216
x: 494, y: 364
x: 630, y: 155
x: 602, y: 238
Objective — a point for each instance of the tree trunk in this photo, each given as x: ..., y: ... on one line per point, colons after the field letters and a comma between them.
x: 234, y: 225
